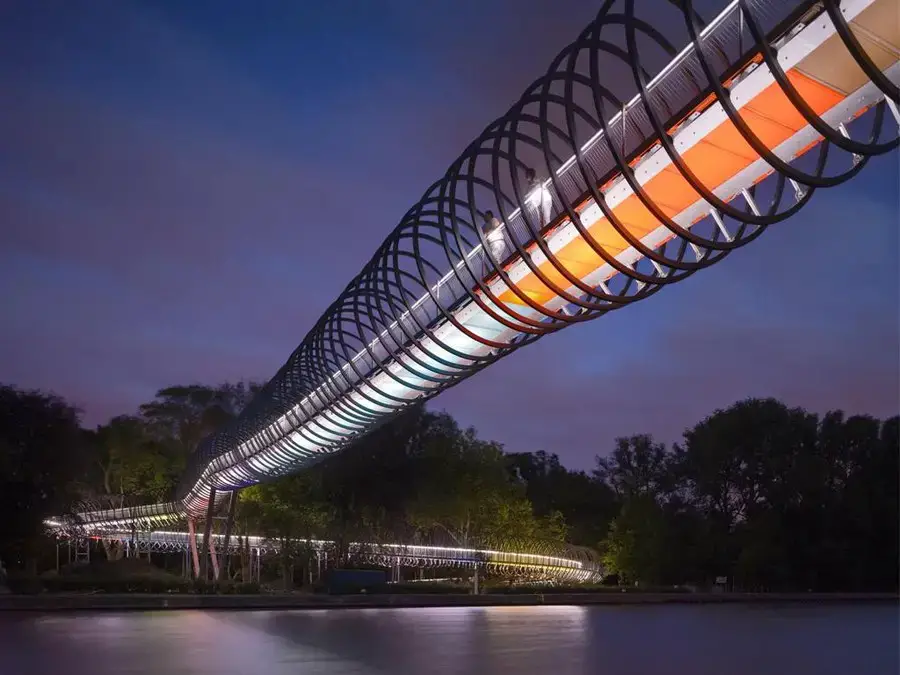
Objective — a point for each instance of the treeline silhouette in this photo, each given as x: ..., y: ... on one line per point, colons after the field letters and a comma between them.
x: 769, y: 497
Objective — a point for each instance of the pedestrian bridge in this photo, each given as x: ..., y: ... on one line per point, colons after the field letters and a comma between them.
x: 631, y: 164
x: 549, y: 562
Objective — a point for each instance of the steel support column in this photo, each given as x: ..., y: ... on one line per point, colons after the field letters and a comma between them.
x: 214, y: 559
x: 192, y: 542
x: 229, y: 526
x: 207, y: 530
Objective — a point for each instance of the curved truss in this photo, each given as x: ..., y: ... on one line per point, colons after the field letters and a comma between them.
x: 607, y: 182
x: 528, y: 559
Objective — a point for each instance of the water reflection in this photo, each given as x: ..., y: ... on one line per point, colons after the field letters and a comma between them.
x: 699, y: 640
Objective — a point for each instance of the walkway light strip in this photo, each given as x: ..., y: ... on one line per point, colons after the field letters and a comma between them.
x: 455, y: 554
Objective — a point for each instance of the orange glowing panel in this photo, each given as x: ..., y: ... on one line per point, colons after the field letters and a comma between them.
x: 718, y: 157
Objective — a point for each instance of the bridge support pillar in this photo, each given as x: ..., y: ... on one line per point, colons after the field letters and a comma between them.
x: 207, y: 530
x: 82, y: 550
x: 255, y: 564
x: 395, y: 571
x: 214, y: 559
x: 192, y: 543
x: 229, y: 526
x: 132, y: 548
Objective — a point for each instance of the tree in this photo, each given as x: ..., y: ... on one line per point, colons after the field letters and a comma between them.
x: 787, y: 501
x: 635, y: 545
x: 186, y: 414
x: 41, y: 457
x: 370, y: 483
x: 131, y: 462
x: 585, y: 504
x: 745, y: 458
x: 637, y: 466
x: 288, y: 511
x: 771, y: 496
x: 179, y: 417
x: 507, y: 517
x: 864, y: 518
x: 466, y: 492
x: 129, y: 467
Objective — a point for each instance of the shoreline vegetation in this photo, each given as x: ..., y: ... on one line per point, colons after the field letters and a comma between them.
x: 53, y: 602
x: 759, y: 497
x: 136, y: 585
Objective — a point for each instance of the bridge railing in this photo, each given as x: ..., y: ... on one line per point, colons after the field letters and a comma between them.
x: 553, y: 559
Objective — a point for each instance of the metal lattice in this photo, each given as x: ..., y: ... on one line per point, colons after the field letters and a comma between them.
x: 613, y: 104
x: 519, y: 558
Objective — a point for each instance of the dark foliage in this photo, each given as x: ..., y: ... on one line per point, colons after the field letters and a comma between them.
x: 41, y: 456
x: 769, y: 497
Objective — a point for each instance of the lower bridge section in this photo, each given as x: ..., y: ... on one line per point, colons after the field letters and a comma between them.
x: 528, y: 560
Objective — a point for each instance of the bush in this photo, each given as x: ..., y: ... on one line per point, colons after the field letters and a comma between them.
x: 579, y: 588
x: 94, y: 584
x: 141, y: 584
x: 247, y: 588
x: 234, y: 588
x: 121, y: 576
x: 130, y: 575
x: 424, y: 588
x: 23, y: 583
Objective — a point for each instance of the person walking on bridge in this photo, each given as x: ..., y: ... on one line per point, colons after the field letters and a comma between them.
x: 492, y: 229
x: 539, y: 198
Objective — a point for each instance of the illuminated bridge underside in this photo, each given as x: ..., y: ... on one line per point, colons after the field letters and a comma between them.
x: 654, y: 164
x: 557, y: 562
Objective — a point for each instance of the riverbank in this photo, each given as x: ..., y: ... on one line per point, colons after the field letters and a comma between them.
x: 48, y: 602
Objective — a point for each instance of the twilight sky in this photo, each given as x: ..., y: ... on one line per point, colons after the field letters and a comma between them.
x: 185, y: 186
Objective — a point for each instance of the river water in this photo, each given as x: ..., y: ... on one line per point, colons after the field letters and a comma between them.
x: 633, y: 640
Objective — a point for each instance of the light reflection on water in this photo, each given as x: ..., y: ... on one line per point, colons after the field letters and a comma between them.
x: 678, y: 639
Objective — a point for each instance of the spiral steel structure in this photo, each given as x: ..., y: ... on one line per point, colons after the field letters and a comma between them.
x: 626, y: 167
